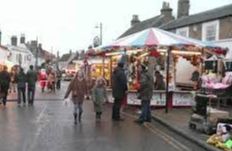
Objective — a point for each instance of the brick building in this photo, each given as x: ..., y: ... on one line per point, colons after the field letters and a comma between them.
x: 213, y: 25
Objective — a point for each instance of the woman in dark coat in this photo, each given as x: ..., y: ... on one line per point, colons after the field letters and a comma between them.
x: 119, y: 89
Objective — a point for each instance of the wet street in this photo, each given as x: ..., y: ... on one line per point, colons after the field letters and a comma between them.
x: 48, y: 126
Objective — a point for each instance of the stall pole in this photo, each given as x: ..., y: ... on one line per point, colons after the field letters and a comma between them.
x: 103, y: 66
x: 167, y: 78
x: 111, y: 70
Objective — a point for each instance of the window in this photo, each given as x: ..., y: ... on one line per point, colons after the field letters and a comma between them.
x: 210, y: 31
x: 183, y: 31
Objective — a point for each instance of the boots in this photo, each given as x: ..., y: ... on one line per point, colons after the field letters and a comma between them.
x: 98, y: 115
x: 75, y: 118
x: 79, y: 116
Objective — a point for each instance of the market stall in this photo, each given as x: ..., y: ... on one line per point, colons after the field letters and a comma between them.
x: 7, y: 63
x: 157, y: 44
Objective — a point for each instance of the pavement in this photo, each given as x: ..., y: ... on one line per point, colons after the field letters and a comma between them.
x: 177, y: 120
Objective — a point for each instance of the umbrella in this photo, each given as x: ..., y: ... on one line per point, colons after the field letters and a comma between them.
x: 154, y: 37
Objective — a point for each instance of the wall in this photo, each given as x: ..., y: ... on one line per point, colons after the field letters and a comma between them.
x: 225, y: 28
x: 195, y: 31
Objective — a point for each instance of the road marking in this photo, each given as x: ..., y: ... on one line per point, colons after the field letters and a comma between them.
x: 38, y: 119
x: 39, y: 130
x: 167, y: 138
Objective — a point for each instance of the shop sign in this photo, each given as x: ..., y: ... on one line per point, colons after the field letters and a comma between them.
x: 158, y: 99
x: 182, y: 99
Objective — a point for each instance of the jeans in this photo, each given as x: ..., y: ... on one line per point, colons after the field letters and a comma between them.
x: 31, y: 94
x: 146, y: 111
x: 5, y: 93
x: 21, y: 91
x: 78, y: 106
x: 58, y: 84
x: 116, y: 109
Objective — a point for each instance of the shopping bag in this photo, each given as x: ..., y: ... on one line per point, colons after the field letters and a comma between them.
x: 66, y: 101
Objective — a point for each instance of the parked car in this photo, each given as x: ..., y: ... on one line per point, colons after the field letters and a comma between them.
x: 69, y: 75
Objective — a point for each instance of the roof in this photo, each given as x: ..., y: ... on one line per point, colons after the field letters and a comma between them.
x: 19, y: 48
x: 209, y: 15
x: 3, y: 47
x: 65, y: 57
x: 152, y: 22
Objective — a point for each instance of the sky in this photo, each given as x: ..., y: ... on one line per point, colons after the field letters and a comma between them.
x: 61, y: 25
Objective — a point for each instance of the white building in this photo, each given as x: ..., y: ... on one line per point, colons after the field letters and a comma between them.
x: 4, y: 53
x: 20, y: 54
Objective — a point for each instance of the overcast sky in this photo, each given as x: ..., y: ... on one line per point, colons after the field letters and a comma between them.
x: 70, y: 24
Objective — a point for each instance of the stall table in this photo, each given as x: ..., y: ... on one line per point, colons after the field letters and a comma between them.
x: 177, y: 98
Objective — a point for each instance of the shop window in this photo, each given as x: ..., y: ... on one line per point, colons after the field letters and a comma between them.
x: 211, y: 66
x: 228, y: 66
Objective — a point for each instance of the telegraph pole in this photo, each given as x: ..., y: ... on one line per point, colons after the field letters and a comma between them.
x: 36, y: 54
x: 100, y: 33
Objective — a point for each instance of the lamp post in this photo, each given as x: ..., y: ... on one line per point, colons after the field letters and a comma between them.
x: 36, y: 54
x: 100, y: 34
x: 100, y: 43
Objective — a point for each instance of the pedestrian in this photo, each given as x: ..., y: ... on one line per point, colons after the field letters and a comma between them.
x: 58, y: 81
x: 31, y: 84
x: 159, y: 81
x: 119, y: 89
x: 99, y: 96
x: 21, y: 80
x: 78, y: 89
x: 43, y: 79
x: 51, y: 81
x: 145, y: 94
x: 195, y: 78
x: 4, y: 84
x: 13, y: 80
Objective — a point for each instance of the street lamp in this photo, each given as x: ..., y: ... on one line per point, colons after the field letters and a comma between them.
x: 100, y: 43
x: 100, y: 28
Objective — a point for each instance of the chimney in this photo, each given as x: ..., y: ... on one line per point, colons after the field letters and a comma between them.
x: 166, y: 10
x: 183, y: 8
x: 22, y: 39
x: 135, y: 20
x: 14, y: 40
x: 40, y: 46
x: 0, y: 37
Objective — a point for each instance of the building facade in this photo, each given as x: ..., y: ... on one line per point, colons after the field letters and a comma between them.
x: 19, y: 54
x: 214, y: 26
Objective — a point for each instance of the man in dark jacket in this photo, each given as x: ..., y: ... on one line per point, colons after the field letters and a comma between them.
x: 31, y: 83
x: 145, y: 94
x: 119, y: 89
x: 21, y: 80
x: 4, y: 84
